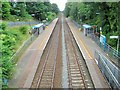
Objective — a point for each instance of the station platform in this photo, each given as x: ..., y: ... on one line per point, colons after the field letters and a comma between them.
x: 28, y: 63
x: 87, y: 47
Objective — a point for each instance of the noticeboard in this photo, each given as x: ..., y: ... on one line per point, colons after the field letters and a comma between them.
x: 103, y: 39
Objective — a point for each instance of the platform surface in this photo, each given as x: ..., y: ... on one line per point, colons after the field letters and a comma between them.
x: 28, y: 63
x: 87, y: 48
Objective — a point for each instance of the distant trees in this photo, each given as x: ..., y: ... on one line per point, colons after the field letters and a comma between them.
x: 41, y: 10
x: 6, y: 10
x: 55, y: 8
x: 102, y: 14
x: 25, y: 10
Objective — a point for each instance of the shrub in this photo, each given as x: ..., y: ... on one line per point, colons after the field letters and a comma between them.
x: 23, y: 29
x: 3, y: 26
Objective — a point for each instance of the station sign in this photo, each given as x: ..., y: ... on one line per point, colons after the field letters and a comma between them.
x: 103, y: 40
x: 114, y: 37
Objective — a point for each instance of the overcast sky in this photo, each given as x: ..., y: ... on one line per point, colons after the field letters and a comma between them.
x: 60, y: 3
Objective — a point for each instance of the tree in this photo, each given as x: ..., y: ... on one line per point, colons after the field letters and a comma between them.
x: 55, y: 8
x: 108, y: 17
x: 6, y: 10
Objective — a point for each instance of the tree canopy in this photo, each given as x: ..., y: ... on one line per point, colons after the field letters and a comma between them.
x: 101, y: 14
x: 27, y: 10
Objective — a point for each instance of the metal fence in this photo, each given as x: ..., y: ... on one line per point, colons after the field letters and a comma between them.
x: 109, y: 70
x: 21, y: 23
x: 76, y: 24
x: 24, y: 46
x: 111, y: 52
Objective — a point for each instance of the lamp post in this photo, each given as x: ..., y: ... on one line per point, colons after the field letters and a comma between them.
x: 101, y: 23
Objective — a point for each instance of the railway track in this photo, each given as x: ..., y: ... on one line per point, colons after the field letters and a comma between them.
x: 44, y: 77
x: 76, y: 73
x: 48, y: 66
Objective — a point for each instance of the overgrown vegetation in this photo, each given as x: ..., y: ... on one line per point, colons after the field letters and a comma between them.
x: 11, y: 39
x: 101, y: 14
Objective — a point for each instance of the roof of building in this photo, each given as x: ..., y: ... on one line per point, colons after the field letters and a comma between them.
x: 38, y: 25
x: 86, y: 26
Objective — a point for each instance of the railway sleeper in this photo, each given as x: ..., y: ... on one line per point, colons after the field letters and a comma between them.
x: 46, y: 83
x: 47, y: 76
x: 76, y: 78
x: 72, y: 69
x: 45, y: 86
x: 47, y: 73
x: 77, y: 81
x: 78, y: 85
x: 75, y: 75
x: 74, y: 72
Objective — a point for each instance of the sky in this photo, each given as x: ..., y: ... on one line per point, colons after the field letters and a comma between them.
x: 60, y: 3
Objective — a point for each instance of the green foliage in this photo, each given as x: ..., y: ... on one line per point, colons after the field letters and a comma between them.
x: 101, y: 14
x: 55, y: 8
x: 23, y: 29
x: 6, y: 10
x: 41, y: 10
x: 11, y: 38
x: 51, y: 16
x: 67, y: 9
x: 7, y: 66
x: 3, y: 26
x: 24, y: 10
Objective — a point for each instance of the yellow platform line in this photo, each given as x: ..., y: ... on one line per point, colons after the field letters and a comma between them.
x: 84, y: 46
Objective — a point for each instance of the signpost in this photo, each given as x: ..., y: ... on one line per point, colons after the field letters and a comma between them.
x: 103, y: 41
x: 116, y: 37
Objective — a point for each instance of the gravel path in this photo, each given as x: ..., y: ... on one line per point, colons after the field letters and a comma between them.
x: 64, y: 60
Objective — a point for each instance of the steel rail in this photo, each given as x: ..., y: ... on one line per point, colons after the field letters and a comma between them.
x: 45, y: 63
x: 55, y: 58
x: 74, y: 51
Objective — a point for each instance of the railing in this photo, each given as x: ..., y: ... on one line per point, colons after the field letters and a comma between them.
x: 110, y: 51
x: 24, y: 46
x: 76, y: 24
x: 109, y: 70
x: 21, y: 23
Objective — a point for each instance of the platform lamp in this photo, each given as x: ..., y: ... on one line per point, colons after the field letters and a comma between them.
x: 101, y: 24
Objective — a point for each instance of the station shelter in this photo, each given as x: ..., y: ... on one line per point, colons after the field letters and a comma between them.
x: 87, y: 29
x: 37, y: 29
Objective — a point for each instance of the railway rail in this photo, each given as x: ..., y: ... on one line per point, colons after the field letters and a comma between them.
x: 77, y: 74
x: 76, y: 71
x: 44, y: 77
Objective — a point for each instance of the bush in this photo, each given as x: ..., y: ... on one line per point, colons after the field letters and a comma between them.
x: 51, y: 16
x: 23, y: 29
x: 3, y: 26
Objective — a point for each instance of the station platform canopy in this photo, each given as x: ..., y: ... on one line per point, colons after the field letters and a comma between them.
x: 37, y: 26
x: 86, y: 26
